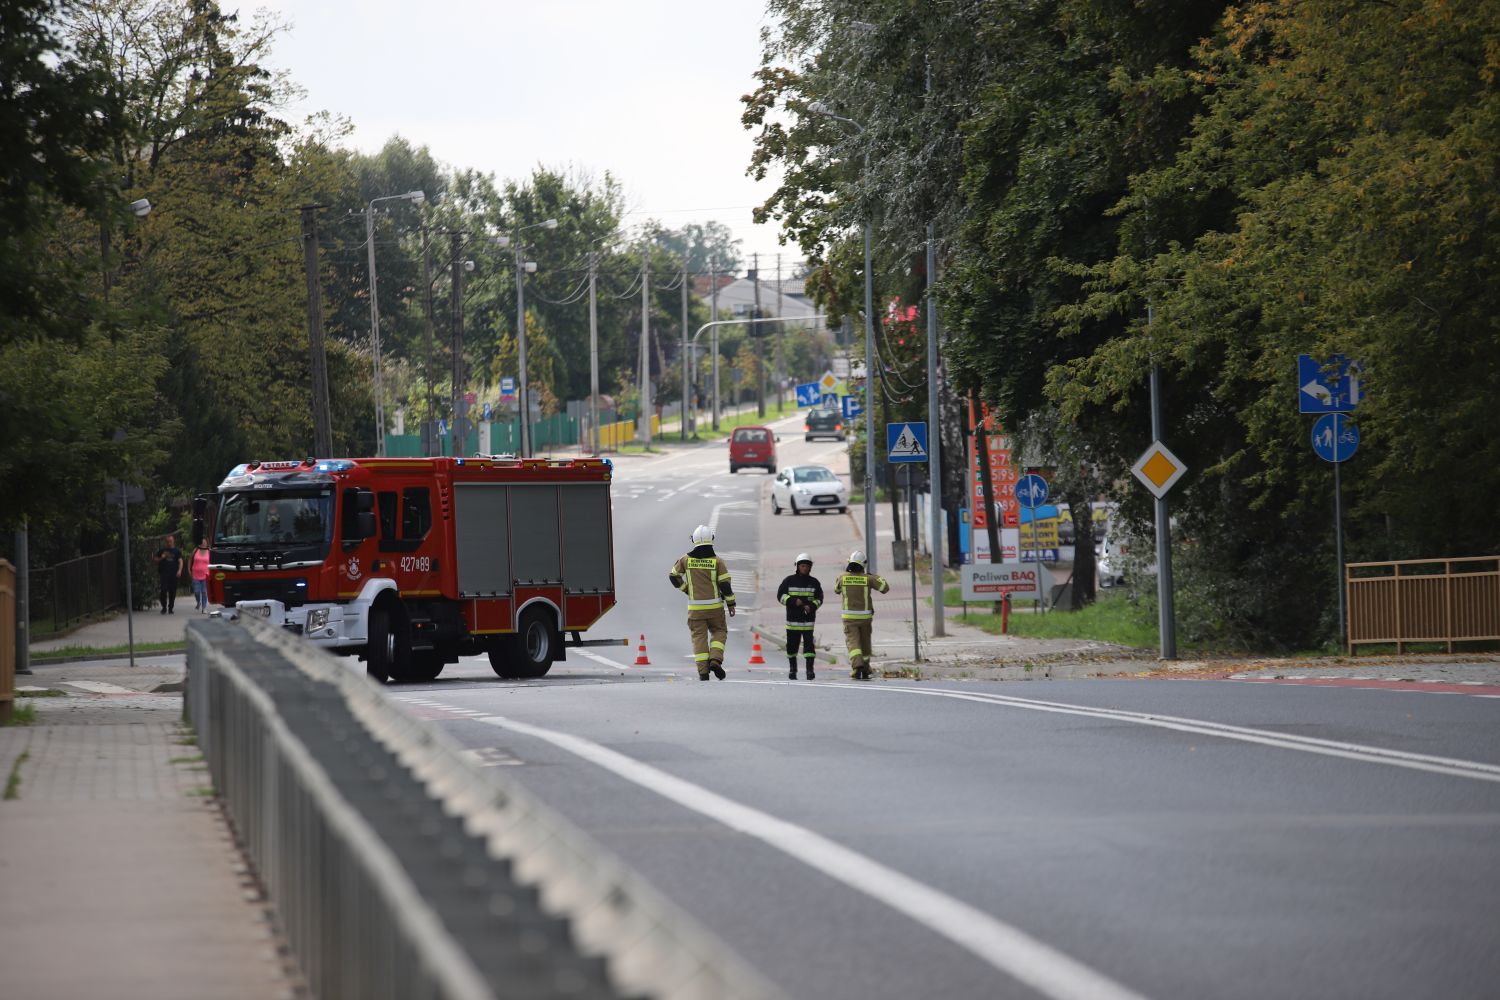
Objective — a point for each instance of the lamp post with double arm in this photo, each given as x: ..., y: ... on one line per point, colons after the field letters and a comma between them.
x: 416, y: 198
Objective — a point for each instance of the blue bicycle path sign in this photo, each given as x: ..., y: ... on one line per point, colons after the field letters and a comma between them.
x: 1031, y: 490
x: 906, y: 442
x: 1334, y: 438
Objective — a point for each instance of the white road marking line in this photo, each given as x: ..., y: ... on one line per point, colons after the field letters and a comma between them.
x: 1472, y: 683
x: 1002, y: 945
x: 673, y: 493
x: 603, y: 659
x: 1285, y: 741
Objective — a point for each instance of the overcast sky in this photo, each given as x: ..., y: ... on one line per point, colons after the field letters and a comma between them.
x: 648, y: 90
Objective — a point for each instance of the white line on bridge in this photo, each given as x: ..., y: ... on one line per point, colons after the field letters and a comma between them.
x: 1007, y: 948
x: 1285, y: 741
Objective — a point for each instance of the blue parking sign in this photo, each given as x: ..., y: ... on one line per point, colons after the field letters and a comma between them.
x: 852, y: 407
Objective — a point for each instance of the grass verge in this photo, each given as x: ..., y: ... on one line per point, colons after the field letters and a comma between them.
x: 21, y: 715
x: 67, y: 652
x: 1109, y: 619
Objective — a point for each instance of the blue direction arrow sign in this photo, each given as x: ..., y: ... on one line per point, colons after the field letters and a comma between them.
x: 906, y: 442
x: 852, y: 408
x: 1332, y: 386
x: 1334, y: 438
x: 808, y: 394
x: 1031, y: 490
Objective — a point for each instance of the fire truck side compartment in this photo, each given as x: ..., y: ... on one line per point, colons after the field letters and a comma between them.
x: 536, y: 551
x: 481, y: 538
x: 586, y: 541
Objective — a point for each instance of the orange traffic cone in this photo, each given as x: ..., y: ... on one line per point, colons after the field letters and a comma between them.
x: 640, y: 656
x: 755, y: 656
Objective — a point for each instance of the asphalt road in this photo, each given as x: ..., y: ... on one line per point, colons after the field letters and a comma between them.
x: 1172, y: 839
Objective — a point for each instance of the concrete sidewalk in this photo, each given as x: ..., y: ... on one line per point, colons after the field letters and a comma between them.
x: 120, y: 876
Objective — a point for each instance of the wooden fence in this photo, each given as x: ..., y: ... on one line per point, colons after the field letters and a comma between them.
x: 7, y: 640
x: 1423, y: 600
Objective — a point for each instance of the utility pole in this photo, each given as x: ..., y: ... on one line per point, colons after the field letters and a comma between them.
x: 430, y: 424
x: 643, y: 430
x: 456, y: 426
x: 594, y: 350
x: 713, y: 317
x: 322, y: 425
x: 23, y: 599
x: 1166, y: 616
x: 778, y: 359
x: 375, y: 334
x: 686, y: 393
x: 760, y: 348
x: 934, y: 440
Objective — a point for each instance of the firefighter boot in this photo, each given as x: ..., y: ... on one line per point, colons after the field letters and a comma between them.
x: 791, y: 667
x: 717, y: 668
x: 810, y: 674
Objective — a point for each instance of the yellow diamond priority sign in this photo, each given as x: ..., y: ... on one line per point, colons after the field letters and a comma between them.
x: 1158, y: 469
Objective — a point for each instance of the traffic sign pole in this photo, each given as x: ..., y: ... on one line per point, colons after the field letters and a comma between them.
x: 1166, y: 617
x: 1338, y: 541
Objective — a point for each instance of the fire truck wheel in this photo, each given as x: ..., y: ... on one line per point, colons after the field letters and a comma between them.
x: 389, y: 652
x: 530, y: 652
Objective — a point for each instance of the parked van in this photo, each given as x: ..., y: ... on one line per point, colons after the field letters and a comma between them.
x: 752, y: 446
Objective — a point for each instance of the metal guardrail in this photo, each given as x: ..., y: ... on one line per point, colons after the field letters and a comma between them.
x: 1423, y: 600
x: 399, y: 869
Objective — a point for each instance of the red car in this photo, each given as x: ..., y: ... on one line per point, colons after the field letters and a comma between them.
x: 752, y: 446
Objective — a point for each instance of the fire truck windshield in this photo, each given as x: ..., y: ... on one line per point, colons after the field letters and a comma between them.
x: 275, y: 517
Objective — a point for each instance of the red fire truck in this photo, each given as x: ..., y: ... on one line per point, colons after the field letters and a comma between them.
x: 410, y: 563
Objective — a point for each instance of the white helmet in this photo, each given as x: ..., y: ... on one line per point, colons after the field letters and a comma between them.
x: 857, y: 556
x: 803, y: 557
x: 703, y: 535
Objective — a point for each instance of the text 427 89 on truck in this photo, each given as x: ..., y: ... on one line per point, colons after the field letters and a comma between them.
x: 411, y: 563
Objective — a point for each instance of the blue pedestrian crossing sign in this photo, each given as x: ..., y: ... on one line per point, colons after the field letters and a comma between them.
x: 1334, y: 438
x: 906, y: 442
x: 852, y: 407
x: 830, y: 399
x: 1332, y: 386
x: 809, y: 394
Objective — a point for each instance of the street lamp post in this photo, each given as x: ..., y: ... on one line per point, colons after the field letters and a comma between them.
x: 416, y: 198
x: 523, y: 268
x: 819, y: 108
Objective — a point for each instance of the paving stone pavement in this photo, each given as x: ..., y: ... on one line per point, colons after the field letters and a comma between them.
x: 120, y: 876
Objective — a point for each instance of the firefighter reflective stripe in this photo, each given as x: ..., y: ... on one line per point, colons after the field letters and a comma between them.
x: 700, y: 576
x: 858, y: 616
x: 715, y: 644
x: 701, y: 657
x: 856, y: 587
x: 799, y: 626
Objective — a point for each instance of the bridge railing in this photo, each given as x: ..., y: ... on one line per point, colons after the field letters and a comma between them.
x: 1423, y: 601
x: 398, y: 869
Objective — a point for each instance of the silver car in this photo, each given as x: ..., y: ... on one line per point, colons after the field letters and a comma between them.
x: 803, y: 488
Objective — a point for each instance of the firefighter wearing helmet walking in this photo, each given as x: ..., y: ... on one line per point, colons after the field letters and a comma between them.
x: 803, y: 595
x: 859, y: 611
x: 704, y: 577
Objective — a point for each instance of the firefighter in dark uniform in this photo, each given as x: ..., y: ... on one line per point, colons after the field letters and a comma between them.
x: 859, y: 612
x: 803, y: 595
x: 704, y: 577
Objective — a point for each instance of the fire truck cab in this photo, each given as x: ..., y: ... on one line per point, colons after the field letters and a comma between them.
x: 410, y: 563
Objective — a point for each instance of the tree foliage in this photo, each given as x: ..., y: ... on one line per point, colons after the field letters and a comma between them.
x: 1264, y: 178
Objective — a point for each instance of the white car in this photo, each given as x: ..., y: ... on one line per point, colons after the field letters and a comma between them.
x: 808, y: 487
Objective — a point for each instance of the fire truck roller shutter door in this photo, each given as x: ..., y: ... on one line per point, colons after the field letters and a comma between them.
x: 536, y: 550
x: 586, y: 542
x: 482, y: 536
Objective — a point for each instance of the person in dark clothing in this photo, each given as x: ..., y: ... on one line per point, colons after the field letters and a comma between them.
x: 169, y: 569
x: 803, y: 595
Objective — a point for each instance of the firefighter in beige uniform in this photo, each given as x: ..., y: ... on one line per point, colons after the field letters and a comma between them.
x: 702, y: 575
x: 859, y: 612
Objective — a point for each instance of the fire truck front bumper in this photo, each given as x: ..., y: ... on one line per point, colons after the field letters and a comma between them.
x: 332, y: 625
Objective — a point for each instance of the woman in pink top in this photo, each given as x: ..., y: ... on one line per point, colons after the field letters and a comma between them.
x: 200, y: 575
